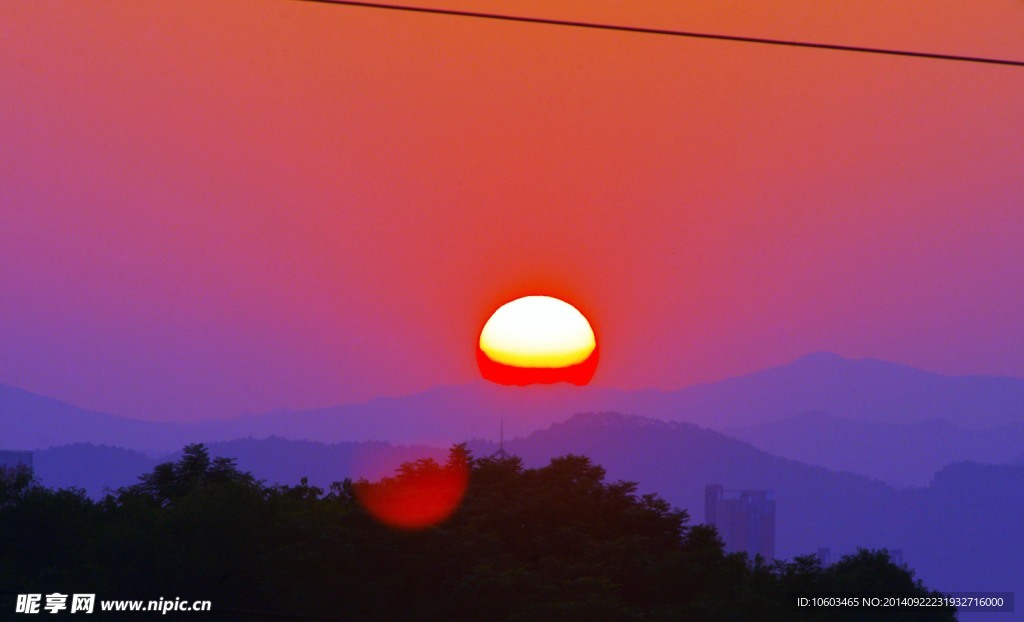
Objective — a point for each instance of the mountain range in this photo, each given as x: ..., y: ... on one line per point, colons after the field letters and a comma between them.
x: 884, y: 420
x: 900, y: 454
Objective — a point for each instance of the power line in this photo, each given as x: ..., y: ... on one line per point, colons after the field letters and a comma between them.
x: 670, y: 33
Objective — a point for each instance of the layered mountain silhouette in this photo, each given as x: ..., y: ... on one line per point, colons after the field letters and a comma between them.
x: 33, y: 421
x: 93, y: 468
x: 866, y: 390
x: 880, y: 419
x: 901, y: 454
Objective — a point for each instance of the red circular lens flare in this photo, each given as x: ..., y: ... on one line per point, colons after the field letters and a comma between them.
x: 537, y: 340
x: 422, y: 494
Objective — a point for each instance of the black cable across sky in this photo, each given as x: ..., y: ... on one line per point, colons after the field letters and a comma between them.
x: 671, y: 33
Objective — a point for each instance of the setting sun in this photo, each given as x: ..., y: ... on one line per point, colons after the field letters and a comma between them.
x: 537, y: 339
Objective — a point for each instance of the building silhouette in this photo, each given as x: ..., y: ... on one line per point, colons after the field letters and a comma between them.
x: 13, y: 461
x: 745, y: 519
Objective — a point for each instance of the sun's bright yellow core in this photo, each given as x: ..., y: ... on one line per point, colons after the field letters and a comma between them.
x: 537, y: 331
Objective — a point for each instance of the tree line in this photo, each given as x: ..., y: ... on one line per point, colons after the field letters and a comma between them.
x: 557, y: 543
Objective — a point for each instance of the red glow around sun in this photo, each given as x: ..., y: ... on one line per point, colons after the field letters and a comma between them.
x: 578, y: 374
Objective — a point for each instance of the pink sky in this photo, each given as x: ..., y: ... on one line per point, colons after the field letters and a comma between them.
x: 209, y: 208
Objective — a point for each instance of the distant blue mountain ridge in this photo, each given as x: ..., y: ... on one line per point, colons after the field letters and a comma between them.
x: 880, y: 419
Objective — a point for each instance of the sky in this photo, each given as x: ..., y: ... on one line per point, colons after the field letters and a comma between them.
x: 211, y: 208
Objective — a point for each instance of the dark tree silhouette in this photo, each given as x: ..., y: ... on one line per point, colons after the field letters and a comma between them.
x: 552, y: 543
x: 193, y: 471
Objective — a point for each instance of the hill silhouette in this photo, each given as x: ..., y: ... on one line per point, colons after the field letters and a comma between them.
x: 957, y: 532
x: 32, y: 421
x: 900, y: 454
x: 862, y: 390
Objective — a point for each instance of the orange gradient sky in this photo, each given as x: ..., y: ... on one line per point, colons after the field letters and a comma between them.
x: 209, y: 208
